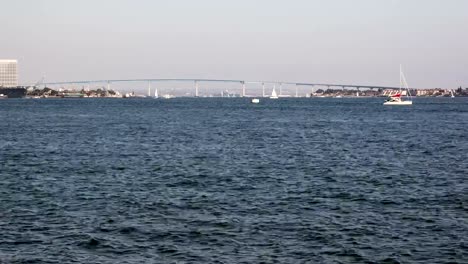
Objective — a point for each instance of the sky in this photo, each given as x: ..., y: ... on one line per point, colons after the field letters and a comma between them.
x: 319, y: 41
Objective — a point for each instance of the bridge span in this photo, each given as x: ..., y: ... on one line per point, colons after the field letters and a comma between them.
x: 195, y: 82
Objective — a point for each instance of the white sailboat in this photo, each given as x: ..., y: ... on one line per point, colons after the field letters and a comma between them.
x: 273, y: 94
x: 451, y: 93
x: 156, y: 93
x: 396, y: 99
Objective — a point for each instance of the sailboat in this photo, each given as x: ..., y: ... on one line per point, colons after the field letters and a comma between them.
x: 156, y: 93
x: 273, y: 94
x: 451, y: 93
x: 396, y: 99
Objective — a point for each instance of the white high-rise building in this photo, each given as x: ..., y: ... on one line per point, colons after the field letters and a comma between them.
x: 8, y: 73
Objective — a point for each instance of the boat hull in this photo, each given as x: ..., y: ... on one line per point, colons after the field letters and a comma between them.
x: 399, y: 103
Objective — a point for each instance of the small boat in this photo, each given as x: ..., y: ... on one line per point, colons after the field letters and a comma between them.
x: 129, y: 95
x: 451, y: 93
x: 3, y: 96
x: 168, y: 96
x: 255, y: 101
x: 156, y: 96
x: 396, y: 98
x: 273, y: 94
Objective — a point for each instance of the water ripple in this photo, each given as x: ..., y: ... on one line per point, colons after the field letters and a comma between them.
x: 222, y: 181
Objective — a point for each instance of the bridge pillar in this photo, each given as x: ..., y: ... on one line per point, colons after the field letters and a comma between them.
x: 149, y: 89
x: 243, y: 89
x: 297, y: 94
x: 196, y: 89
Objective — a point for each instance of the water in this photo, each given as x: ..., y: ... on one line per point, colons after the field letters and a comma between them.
x: 225, y: 181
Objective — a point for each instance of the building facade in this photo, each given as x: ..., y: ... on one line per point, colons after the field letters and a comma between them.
x: 8, y: 73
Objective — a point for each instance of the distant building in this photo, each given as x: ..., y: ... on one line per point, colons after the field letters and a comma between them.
x: 423, y: 92
x: 392, y: 92
x: 8, y: 73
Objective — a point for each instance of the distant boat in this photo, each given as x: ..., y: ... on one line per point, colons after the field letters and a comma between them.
x: 156, y: 93
x: 255, y: 101
x: 273, y: 94
x: 168, y: 96
x: 451, y: 93
x: 396, y: 99
x: 129, y: 95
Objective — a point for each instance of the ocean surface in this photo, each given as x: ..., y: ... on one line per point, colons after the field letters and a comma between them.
x: 215, y: 180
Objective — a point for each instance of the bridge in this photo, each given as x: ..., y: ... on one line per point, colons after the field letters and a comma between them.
x: 196, y: 82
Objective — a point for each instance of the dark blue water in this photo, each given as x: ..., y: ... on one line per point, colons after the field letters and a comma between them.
x: 225, y: 181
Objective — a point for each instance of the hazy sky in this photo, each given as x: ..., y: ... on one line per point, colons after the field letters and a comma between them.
x: 334, y: 41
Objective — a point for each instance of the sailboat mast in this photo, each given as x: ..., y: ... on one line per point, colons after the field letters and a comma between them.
x: 404, y: 83
x: 400, y: 78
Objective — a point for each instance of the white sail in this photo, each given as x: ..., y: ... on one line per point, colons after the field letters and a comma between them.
x: 156, y: 93
x: 273, y: 94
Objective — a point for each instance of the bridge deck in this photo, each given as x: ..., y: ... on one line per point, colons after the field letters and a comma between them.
x: 221, y: 81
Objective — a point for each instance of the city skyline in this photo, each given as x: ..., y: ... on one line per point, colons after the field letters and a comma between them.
x: 362, y: 42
